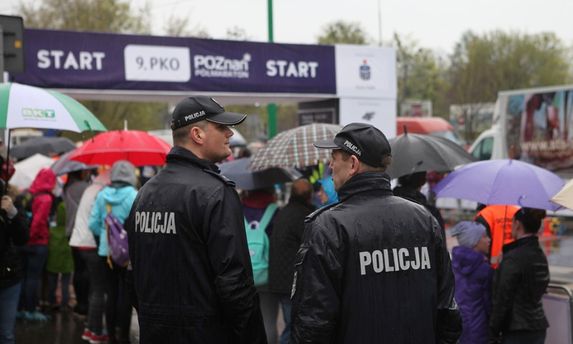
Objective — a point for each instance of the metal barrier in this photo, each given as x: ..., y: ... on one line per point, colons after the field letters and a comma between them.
x: 558, y: 307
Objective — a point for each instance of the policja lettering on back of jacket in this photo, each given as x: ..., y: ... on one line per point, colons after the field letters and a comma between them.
x: 155, y: 222
x: 395, y: 259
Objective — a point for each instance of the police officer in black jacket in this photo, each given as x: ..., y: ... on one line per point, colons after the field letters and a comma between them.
x: 372, y: 268
x: 192, y: 272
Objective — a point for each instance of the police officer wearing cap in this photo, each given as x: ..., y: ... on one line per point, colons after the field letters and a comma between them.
x: 372, y: 268
x: 193, y: 281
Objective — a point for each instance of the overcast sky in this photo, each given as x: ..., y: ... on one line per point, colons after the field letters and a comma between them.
x: 435, y: 24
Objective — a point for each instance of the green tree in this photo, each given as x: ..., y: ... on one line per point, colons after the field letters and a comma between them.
x: 178, y: 27
x: 420, y: 74
x: 237, y: 33
x: 343, y: 32
x: 482, y: 65
x: 86, y: 15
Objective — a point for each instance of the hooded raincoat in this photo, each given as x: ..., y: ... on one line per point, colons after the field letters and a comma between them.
x: 473, y: 293
x: 120, y: 197
x: 41, y: 190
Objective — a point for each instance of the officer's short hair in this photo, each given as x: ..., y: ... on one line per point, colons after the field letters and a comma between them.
x: 181, y: 135
x: 367, y: 168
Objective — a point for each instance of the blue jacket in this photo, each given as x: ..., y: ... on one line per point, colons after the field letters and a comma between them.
x: 473, y: 293
x: 121, y: 200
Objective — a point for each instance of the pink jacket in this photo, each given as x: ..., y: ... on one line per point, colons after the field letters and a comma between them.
x: 41, y: 190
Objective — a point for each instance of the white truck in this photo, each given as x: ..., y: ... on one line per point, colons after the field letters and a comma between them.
x: 533, y: 125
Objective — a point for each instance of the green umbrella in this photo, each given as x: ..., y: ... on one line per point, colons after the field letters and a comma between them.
x: 23, y: 106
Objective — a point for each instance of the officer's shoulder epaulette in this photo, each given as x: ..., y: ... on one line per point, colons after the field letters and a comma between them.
x: 221, y: 177
x: 317, y: 212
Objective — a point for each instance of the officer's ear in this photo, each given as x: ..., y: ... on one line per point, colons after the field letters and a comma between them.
x: 355, y: 165
x: 197, y: 135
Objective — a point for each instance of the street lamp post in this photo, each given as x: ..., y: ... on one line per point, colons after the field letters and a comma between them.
x: 271, y: 107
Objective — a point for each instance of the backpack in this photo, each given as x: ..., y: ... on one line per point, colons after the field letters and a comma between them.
x: 258, y: 243
x: 116, y: 240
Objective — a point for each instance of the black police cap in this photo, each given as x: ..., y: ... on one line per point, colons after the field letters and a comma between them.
x: 195, y: 109
x: 364, y: 141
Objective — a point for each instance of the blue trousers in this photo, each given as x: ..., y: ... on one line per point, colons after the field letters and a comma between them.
x: 8, y: 307
x: 53, y: 284
x: 36, y: 256
x: 286, y: 307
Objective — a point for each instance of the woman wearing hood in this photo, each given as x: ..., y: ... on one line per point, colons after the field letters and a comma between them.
x: 36, y: 251
x: 119, y: 196
x: 473, y: 276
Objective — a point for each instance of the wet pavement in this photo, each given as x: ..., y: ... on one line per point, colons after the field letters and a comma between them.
x: 67, y: 328
x: 61, y: 328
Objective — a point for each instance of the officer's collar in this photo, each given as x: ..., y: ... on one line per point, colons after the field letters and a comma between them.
x: 367, y: 181
x: 178, y: 153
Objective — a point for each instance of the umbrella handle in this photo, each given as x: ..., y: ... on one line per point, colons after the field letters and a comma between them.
x: 7, y: 162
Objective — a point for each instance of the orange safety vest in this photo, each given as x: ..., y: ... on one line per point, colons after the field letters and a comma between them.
x: 499, y: 218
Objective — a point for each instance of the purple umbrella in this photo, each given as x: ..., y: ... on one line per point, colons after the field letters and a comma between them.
x: 502, y: 182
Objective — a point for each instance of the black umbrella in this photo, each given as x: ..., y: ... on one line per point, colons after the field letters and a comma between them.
x: 417, y: 153
x: 43, y: 145
x: 64, y: 165
x: 239, y: 172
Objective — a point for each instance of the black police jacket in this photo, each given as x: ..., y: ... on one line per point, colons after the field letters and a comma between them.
x: 191, y: 267
x: 519, y: 285
x: 373, y: 268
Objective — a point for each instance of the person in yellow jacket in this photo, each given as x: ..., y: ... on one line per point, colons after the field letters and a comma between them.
x: 497, y: 220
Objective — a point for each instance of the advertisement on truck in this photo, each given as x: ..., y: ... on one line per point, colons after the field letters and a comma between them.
x: 540, y: 128
x: 532, y: 125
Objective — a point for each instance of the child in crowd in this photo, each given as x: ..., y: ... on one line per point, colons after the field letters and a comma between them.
x: 473, y: 276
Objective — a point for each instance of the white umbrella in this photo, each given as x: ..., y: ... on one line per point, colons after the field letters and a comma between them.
x: 23, y: 106
x: 27, y: 169
x: 565, y: 196
x: 33, y: 107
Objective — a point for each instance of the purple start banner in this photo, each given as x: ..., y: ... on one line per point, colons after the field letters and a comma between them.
x: 79, y: 60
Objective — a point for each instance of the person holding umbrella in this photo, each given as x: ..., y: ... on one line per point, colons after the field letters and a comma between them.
x: 410, y: 186
x: 520, y: 283
x: 192, y: 273
x: 13, y: 234
x: 373, y: 267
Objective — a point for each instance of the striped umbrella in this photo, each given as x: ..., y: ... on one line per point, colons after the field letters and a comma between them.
x: 293, y: 148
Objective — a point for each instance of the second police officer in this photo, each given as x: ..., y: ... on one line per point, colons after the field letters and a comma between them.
x: 372, y: 268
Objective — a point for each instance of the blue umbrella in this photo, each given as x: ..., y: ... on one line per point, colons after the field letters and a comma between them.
x: 502, y: 182
x: 246, y: 179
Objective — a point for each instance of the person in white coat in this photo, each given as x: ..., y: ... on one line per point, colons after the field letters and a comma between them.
x: 83, y: 240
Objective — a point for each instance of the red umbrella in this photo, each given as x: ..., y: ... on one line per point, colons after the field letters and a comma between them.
x: 137, y: 147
